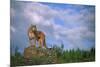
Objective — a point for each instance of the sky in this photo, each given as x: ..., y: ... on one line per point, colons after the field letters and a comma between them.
x: 67, y: 24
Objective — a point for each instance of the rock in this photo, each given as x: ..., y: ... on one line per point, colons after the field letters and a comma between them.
x: 39, y: 54
x: 31, y: 51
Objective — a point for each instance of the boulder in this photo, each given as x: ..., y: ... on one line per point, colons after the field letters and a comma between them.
x: 39, y: 55
x: 31, y: 51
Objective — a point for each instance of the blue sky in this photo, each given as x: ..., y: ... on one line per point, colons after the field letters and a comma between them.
x: 72, y: 25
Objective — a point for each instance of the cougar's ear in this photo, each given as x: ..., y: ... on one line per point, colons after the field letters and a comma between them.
x: 34, y: 25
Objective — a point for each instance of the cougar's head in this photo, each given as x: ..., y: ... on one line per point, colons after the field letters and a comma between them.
x: 33, y: 27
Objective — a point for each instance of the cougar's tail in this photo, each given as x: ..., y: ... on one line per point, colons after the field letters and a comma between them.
x: 44, y: 43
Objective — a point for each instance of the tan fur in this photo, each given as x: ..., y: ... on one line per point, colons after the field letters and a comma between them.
x: 36, y: 35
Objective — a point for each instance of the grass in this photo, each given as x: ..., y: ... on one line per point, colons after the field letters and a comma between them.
x: 62, y: 56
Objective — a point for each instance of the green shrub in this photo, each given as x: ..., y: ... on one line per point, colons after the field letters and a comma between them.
x: 56, y: 55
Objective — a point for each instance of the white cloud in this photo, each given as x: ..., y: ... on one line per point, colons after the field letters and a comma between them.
x: 12, y: 12
x: 44, y: 17
x: 13, y: 29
